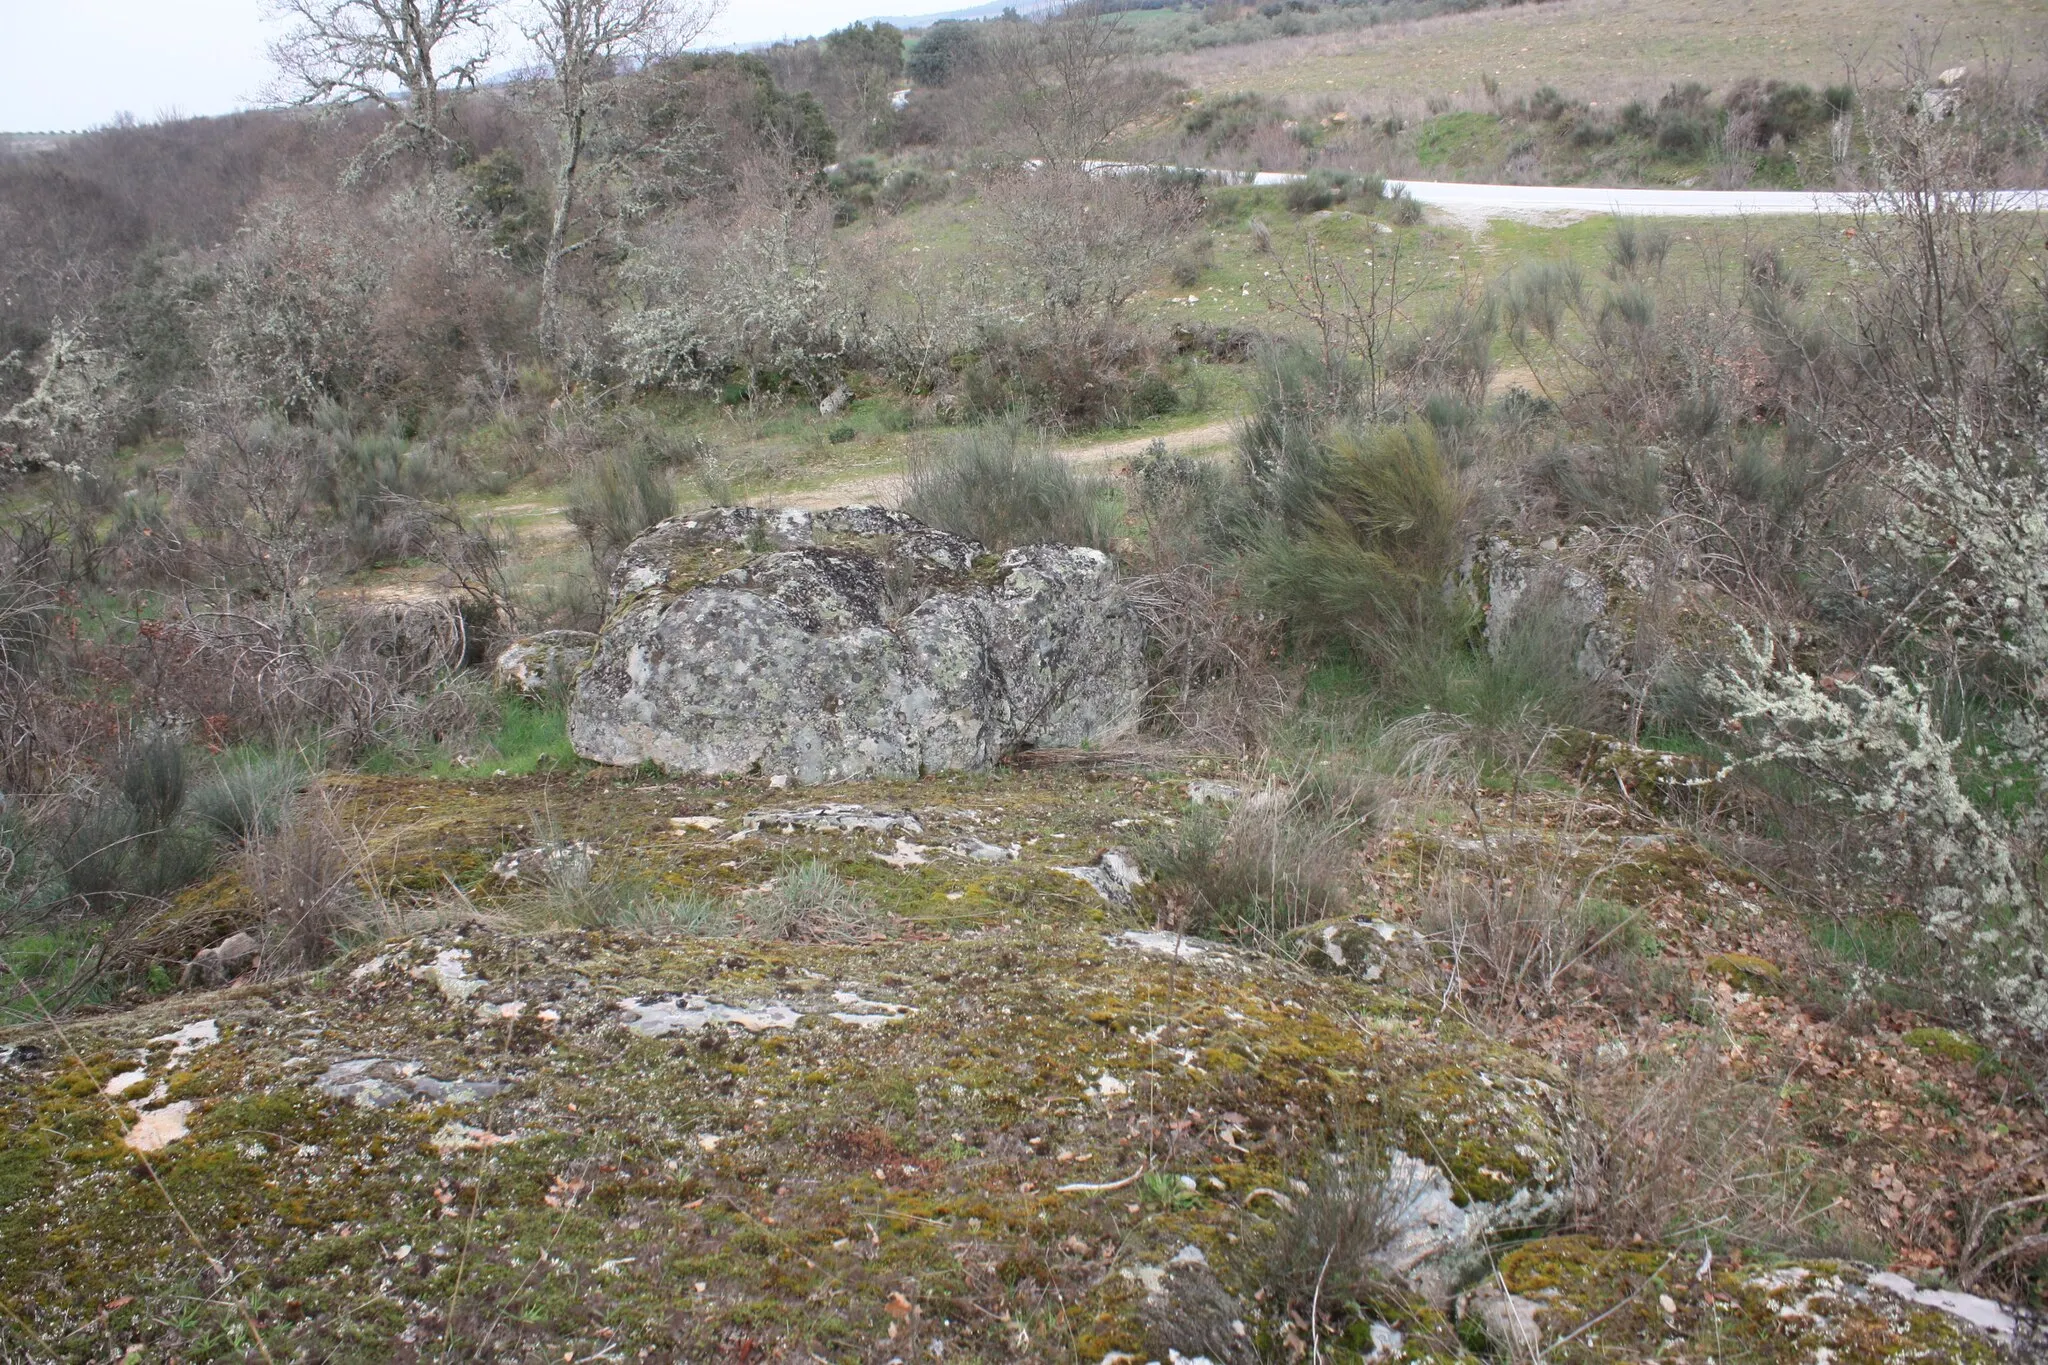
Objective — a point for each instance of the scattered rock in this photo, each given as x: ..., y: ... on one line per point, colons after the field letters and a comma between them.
x: 191, y: 1038
x: 658, y: 1017
x: 450, y: 971
x: 976, y: 850
x: 1660, y: 783
x: 1203, y: 792
x: 1813, y: 1311
x: 1433, y: 1238
x: 855, y: 642
x: 158, y: 1128
x: 381, y: 1082
x: 1365, y: 949
x: 1946, y: 1043
x: 543, y: 861
x: 126, y: 1080
x: 1988, y: 1316
x: 20, y: 1054
x: 1509, y: 1320
x: 661, y: 1016
x: 1166, y: 943
x: 906, y: 855
x: 1114, y: 876
x: 1746, y: 971
x: 836, y: 817
x: 835, y: 402
x: 540, y: 665
x: 454, y: 1137
x: 223, y: 962
x: 866, y: 1013
x: 697, y: 822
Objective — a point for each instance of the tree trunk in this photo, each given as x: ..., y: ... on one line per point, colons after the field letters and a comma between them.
x: 558, y: 234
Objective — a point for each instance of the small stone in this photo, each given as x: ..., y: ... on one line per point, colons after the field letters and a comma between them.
x: 536, y: 665
x: 159, y: 1128
x: 124, y: 1081
x: 454, y: 1137
x: 191, y: 1038
x: 704, y: 822
x: 450, y: 971
x: 223, y: 962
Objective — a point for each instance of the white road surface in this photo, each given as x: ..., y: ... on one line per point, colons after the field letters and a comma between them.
x: 1479, y: 204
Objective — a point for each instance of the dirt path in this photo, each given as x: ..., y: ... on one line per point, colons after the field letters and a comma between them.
x: 888, y: 488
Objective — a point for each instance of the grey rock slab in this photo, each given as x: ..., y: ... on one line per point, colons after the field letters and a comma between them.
x: 223, y: 962
x: 840, y: 817
x: 382, y: 1082
x: 661, y: 1016
x: 535, y: 665
x: 1114, y: 876
x: 851, y: 643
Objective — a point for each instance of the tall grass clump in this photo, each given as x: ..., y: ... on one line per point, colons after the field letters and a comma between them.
x: 1005, y: 488
x: 1272, y: 861
x: 623, y: 495
x: 809, y: 903
x: 1367, y: 537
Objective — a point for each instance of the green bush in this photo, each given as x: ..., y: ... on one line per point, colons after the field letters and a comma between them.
x: 621, y: 497
x: 1004, y: 488
x: 1365, y: 556
x: 250, y: 794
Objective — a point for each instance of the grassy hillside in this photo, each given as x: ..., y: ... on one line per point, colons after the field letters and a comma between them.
x: 1621, y: 49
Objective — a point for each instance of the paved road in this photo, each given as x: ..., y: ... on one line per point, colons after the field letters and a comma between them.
x: 1545, y: 203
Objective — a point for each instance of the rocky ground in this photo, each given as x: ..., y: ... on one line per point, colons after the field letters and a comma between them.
x: 1005, y: 1120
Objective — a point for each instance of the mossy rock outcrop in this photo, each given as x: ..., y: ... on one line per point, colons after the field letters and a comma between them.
x: 1576, y: 1300
x: 981, y: 1140
x: 851, y: 643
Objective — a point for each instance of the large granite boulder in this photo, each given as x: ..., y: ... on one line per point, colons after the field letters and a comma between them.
x: 855, y: 642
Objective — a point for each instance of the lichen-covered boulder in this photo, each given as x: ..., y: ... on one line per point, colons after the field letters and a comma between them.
x: 1573, y: 1299
x: 856, y: 642
x: 535, y: 665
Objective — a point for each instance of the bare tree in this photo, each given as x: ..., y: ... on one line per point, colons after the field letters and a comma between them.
x: 1066, y: 85
x: 582, y: 44
x: 404, y: 55
x: 1081, y: 245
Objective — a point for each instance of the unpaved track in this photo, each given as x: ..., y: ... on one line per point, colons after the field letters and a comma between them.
x: 887, y: 489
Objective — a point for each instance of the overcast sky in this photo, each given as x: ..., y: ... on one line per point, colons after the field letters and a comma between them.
x: 70, y: 64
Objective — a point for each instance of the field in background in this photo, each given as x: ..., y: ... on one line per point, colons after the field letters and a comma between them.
x: 1621, y: 49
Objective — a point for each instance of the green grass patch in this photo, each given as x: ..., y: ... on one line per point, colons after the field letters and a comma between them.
x: 1457, y: 138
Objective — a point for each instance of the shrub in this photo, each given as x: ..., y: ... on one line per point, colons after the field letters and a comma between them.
x: 1681, y: 135
x: 1549, y: 106
x: 250, y: 795
x: 808, y: 903
x: 1637, y: 247
x: 1363, y: 554
x: 1005, y: 488
x: 1274, y: 860
x: 1347, y: 1210
x: 691, y: 912
x: 1516, y: 944
x: 303, y: 872
x: 621, y: 497
x: 1687, y: 1151
x: 840, y: 435
x: 1404, y: 210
